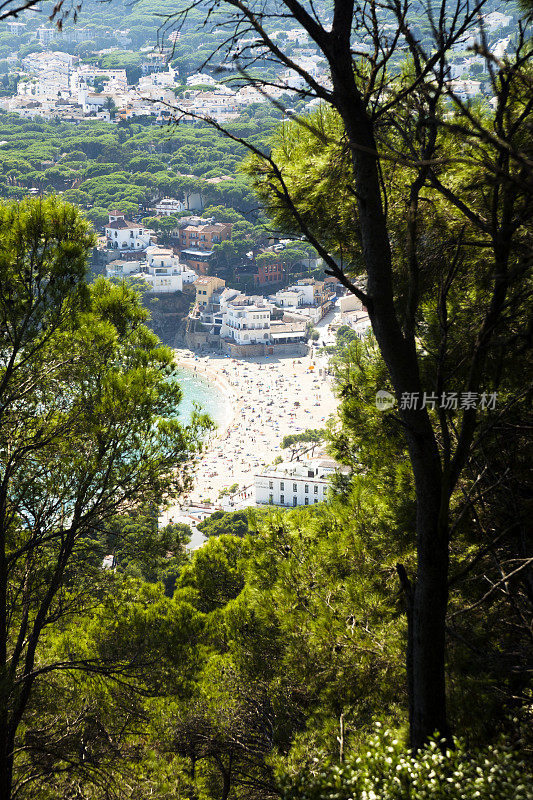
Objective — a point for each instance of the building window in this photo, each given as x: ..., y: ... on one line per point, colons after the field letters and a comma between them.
x: 306, y: 501
x: 316, y: 489
x: 270, y: 498
x: 294, y: 487
x: 282, y: 485
x: 295, y: 501
x: 271, y: 484
x: 307, y: 488
x: 282, y: 499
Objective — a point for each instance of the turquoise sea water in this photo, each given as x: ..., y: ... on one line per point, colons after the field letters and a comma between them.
x: 197, y: 389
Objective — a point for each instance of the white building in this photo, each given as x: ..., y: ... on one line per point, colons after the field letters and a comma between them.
x: 122, y: 269
x: 92, y: 102
x: 168, y: 207
x: 246, y: 324
x: 291, y: 297
x: 124, y: 235
x: 86, y: 74
x: 306, y: 292
x: 496, y: 20
x: 200, y: 79
x: 162, y: 271
x: 465, y: 89
x: 348, y: 304
x: 163, y: 263
x: 47, y: 62
x: 46, y: 34
x: 295, y: 483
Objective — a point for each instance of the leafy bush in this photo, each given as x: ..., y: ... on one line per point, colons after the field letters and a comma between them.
x: 385, y: 771
x: 234, y: 523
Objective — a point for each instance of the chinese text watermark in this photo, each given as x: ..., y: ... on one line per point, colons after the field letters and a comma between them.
x: 449, y: 401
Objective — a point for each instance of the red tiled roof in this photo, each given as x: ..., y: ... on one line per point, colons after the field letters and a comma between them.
x: 120, y: 224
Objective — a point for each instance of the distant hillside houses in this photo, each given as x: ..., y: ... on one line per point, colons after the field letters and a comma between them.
x: 58, y: 85
x: 496, y: 20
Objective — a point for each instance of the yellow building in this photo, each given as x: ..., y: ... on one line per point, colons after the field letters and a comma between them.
x: 205, y: 287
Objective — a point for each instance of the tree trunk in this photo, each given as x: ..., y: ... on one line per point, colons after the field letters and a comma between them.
x: 6, y: 765
x: 427, y: 618
x: 427, y: 613
x: 226, y: 778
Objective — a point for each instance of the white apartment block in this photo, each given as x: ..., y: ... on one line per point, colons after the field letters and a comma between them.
x: 295, y: 483
x: 246, y: 324
x: 162, y: 271
x: 124, y: 235
x: 168, y: 207
x: 200, y: 79
x: 163, y: 263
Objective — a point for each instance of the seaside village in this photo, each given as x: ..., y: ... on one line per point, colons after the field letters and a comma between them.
x: 54, y: 84
x: 255, y: 349
x: 260, y: 342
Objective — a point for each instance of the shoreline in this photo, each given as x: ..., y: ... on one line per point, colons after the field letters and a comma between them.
x: 198, y: 366
x: 265, y: 399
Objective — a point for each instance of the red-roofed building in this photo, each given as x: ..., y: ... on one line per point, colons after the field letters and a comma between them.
x: 203, y: 237
x: 124, y: 235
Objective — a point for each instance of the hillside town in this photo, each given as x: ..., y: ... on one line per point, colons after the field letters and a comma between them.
x: 221, y: 317
x: 52, y: 83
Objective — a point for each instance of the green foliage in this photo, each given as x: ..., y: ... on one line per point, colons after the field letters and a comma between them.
x: 111, y: 166
x: 142, y: 548
x: 89, y: 430
x: 384, y: 770
x: 345, y: 335
x: 214, y: 575
x: 318, y: 153
x: 234, y: 523
x: 310, y: 435
x: 222, y: 214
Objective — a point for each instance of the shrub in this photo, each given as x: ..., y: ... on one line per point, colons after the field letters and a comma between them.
x: 385, y: 771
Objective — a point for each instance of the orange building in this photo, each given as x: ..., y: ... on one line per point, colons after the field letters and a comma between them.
x: 204, y: 237
x: 268, y: 274
x: 197, y: 242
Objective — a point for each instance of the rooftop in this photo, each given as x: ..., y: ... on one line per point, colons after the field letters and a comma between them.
x: 201, y: 254
x: 121, y: 224
x: 314, y: 469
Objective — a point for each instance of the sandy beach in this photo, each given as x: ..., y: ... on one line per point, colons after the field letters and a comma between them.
x: 266, y: 399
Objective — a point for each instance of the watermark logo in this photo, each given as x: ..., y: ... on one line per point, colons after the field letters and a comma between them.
x: 384, y: 400
x: 449, y: 401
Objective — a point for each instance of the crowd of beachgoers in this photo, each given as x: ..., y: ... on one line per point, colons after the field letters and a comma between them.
x: 266, y: 399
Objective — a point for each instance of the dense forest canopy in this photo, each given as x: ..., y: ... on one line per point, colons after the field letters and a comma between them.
x: 97, y: 165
